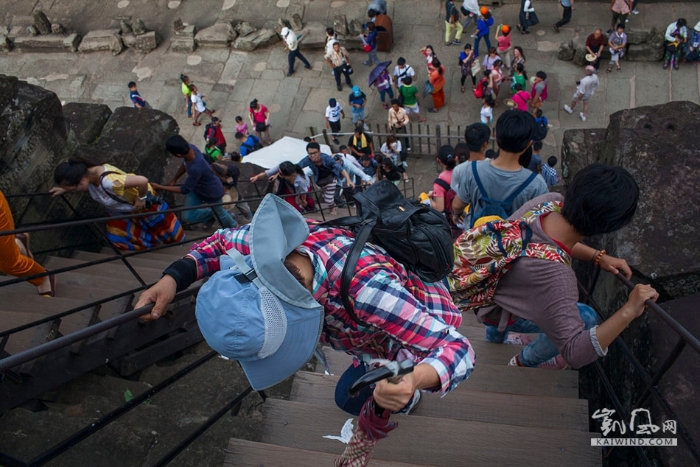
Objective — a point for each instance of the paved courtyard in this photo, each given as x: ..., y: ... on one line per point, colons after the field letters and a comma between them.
x: 231, y: 78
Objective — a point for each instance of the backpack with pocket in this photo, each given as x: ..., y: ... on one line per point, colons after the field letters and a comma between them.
x: 542, y: 130
x: 493, y: 208
x: 449, y: 197
x: 486, y: 253
x: 413, y: 234
x: 256, y: 145
x: 479, y: 89
x: 209, y: 131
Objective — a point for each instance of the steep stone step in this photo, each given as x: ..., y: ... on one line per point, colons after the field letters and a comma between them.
x: 114, y: 270
x: 493, y: 378
x: 465, y: 404
x: 28, y: 338
x: 422, y: 440
x: 135, y: 261
x: 242, y: 453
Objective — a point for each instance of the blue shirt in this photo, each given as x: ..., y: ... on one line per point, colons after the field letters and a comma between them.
x: 201, y: 179
x: 566, y: 3
x: 137, y: 99
x: 327, y: 162
x: 483, y: 25
x: 247, y: 147
x: 353, y: 99
x: 372, y: 39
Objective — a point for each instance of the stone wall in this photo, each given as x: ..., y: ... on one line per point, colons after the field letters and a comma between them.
x: 658, y: 145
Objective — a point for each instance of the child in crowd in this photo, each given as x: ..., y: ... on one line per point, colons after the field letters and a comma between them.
x: 200, y: 107
x: 392, y: 172
x: 519, y: 78
x: 392, y: 149
x: 185, y: 88
x: 241, y: 126
x: 549, y: 172
x: 213, y: 151
x: 369, y: 167
x: 487, y: 110
x: 138, y: 101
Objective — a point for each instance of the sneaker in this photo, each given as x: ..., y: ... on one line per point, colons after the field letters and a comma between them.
x: 627, y: 21
x: 556, y: 28
x: 583, y: 117
x: 636, y: 12
x: 411, y: 404
x: 339, y: 87
x: 308, y: 67
x: 554, y: 363
x: 336, y: 140
x: 334, y: 211
x: 515, y: 338
x: 514, y: 361
x: 456, y: 42
x: 367, y: 62
x: 568, y: 109
x: 386, y: 106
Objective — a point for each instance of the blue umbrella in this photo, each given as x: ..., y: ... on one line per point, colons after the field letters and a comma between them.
x: 374, y: 74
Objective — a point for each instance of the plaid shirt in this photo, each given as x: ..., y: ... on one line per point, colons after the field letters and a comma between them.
x: 405, y: 313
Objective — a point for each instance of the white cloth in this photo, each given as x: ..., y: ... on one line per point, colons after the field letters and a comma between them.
x: 486, y: 114
x: 528, y: 7
x: 394, y: 151
x: 198, y: 102
x: 671, y: 28
x: 100, y: 195
x: 333, y: 113
x: 587, y: 86
x: 291, y: 40
x: 401, y: 74
x: 471, y: 5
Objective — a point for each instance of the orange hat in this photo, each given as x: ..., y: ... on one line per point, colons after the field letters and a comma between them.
x: 505, y: 29
x: 484, y: 10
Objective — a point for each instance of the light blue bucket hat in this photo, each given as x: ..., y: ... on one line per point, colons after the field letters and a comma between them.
x: 253, y: 310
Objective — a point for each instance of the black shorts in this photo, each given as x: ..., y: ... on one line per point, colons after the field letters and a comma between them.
x: 335, y: 126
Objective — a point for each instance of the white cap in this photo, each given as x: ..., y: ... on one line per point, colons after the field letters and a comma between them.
x: 697, y: 26
x: 284, y: 31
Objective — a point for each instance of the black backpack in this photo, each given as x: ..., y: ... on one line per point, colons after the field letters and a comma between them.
x: 208, y: 128
x: 256, y: 145
x: 541, y: 132
x: 413, y: 234
x: 449, y: 197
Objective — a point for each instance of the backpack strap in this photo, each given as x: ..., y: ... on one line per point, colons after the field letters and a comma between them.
x: 116, y: 198
x: 349, y: 268
x: 520, y: 189
x: 443, y: 184
x: 477, y: 179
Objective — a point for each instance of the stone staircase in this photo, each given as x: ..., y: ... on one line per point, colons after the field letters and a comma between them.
x: 128, y: 348
x: 499, y: 416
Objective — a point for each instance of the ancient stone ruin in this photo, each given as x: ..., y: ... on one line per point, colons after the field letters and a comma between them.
x: 643, y: 46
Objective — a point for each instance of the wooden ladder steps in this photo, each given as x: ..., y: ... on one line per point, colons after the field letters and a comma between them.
x: 425, y: 440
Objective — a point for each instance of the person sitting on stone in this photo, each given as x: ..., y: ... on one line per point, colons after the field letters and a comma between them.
x: 121, y: 193
x: 296, y: 266
x: 676, y: 36
x: 539, y: 293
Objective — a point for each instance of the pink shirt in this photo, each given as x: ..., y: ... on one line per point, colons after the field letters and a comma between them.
x: 504, y: 43
x: 259, y: 115
x: 521, y: 98
x: 243, y: 128
x: 438, y: 191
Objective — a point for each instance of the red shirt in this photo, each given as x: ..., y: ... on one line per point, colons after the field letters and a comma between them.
x: 592, y: 42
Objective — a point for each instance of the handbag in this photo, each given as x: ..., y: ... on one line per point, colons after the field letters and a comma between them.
x: 260, y: 126
x: 367, y: 47
x: 532, y: 19
x: 476, y: 68
x: 427, y: 89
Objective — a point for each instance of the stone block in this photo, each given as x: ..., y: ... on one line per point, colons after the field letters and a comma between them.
x: 645, y: 52
x: 244, y: 28
x: 125, y: 27
x: 188, y: 31
x: 138, y: 27
x: 566, y: 51
x: 260, y: 38
x: 17, y: 30
x: 32, y: 30
x: 314, y: 36
x: 102, y: 40
x: 5, y: 44
x: 134, y: 140
x: 219, y: 35
x: 182, y: 44
x: 47, y: 43
x: 351, y: 42
x: 282, y: 23
x: 637, y: 36
x: 340, y: 25
x: 41, y: 22
x: 178, y: 25
x: 143, y: 43
x: 296, y: 22
x: 57, y: 28
x: 4, y: 30
x: 86, y: 120
x: 355, y: 27
x: 579, y: 148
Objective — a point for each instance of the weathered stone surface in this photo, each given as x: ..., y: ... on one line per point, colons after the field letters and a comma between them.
x: 188, y: 31
x: 57, y: 28
x: 32, y: 30
x: 296, y: 22
x: 138, y: 27
x: 86, y: 120
x: 182, y: 44
x: 134, y: 140
x: 47, y: 43
x: 125, y: 27
x: 41, y: 22
x: 637, y: 36
x: 219, y: 35
x: 645, y: 52
x: 314, y: 36
x: 259, y: 38
x: 340, y: 24
x: 102, y: 40
x: 178, y: 25
x: 5, y: 44
x: 244, y: 28
x: 4, y: 30
x: 566, y: 51
x: 579, y: 149
x: 355, y: 27
x: 143, y: 43
x: 282, y: 23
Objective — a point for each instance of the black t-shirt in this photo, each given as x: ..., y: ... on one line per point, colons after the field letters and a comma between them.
x: 323, y: 172
x: 395, y: 174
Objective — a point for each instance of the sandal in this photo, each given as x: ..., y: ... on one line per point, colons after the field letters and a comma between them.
x: 433, y: 111
x: 618, y: 68
x: 52, y: 292
x: 196, y: 124
x: 609, y: 69
x: 462, y: 89
x: 23, y: 238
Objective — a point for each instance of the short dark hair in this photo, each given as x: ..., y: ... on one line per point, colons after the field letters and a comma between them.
x: 541, y: 75
x: 538, y: 113
x: 370, y: 26
x: 537, y: 146
x: 313, y: 145
x: 518, y: 87
x: 600, y: 199
x: 342, y: 147
x: 359, y: 129
x: 462, y: 152
x: 371, y: 13
x: 515, y: 130
x: 407, y: 80
x: 401, y: 61
x: 177, y: 145
x: 552, y: 161
x: 446, y: 156
x: 491, y: 154
x: 131, y: 84
x: 330, y: 31
x: 238, y: 135
x: 476, y: 135
x: 394, y: 101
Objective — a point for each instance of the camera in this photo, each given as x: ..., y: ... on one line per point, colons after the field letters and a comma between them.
x: 152, y: 200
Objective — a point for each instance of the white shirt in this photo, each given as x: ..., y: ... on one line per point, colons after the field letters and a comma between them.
x: 291, y: 40
x: 486, y: 114
x: 198, y: 103
x: 333, y: 113
x: 98, y: 194
x: 587, y: 86
x: 401, y: 74
x: 471, y: 5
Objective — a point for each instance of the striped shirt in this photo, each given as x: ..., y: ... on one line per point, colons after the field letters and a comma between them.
x: 403, y: 311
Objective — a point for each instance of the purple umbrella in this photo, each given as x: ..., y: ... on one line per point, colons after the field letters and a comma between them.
x: 374, y: 74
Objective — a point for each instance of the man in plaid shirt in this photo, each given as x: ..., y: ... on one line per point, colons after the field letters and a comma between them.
x: 408, y: 318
